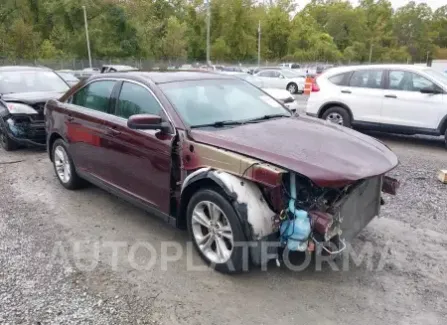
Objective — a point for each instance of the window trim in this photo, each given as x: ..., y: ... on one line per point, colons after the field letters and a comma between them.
x: 118, y: 93
x: 382, y: 79
x: 119, y: 81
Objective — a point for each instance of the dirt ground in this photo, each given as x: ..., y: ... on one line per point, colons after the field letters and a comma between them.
x: 402, y: 279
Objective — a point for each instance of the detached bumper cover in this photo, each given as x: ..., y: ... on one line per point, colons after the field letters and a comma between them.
x: 25, y: 129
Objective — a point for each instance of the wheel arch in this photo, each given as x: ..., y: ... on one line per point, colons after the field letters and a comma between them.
x: 245, y: 196
x: 328, y: 105
x: 51, y: 140
x: 443, y: 125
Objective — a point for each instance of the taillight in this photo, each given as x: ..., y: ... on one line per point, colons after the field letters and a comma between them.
x: 315, y: 86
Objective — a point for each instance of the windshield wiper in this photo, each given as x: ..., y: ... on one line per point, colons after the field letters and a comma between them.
x: 266, y: 117
x: 218, y: 124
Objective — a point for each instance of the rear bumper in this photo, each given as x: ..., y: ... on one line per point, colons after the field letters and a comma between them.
x: 25, y: 130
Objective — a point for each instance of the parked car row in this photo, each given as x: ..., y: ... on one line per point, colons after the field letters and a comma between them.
x: 404, y: 99
x: 210, y: 153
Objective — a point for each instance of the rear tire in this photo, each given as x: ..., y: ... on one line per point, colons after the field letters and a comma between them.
x: 6, y: 142
x: 337, y: 115
x: 207, y: 233
x: 63, y: 166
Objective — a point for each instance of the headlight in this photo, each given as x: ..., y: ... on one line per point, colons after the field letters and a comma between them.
x: 16, y: 108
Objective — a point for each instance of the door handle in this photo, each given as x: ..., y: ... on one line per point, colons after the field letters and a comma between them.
x: 346, y: 92
x: 390, y: 96
x: 113, y: 131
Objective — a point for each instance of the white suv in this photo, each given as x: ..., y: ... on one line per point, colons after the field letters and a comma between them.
x: 402, y: 99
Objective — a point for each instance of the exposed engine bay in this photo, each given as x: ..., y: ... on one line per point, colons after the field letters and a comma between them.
x: 279, y: 205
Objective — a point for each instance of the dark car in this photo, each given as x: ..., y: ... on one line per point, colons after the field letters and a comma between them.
x: 23, y: 94
x: 213, y: 154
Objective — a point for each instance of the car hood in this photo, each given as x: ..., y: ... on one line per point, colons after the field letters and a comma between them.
x: 277, y: 93
x: 328, y: 154
x: 32, y: 97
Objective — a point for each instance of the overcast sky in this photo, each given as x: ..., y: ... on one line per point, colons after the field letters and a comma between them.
x: 435, y: 4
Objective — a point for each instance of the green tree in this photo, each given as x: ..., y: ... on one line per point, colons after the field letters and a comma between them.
x: 174, y: 43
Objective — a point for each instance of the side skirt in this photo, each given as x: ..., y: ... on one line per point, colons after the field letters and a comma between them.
x: 128, y: 197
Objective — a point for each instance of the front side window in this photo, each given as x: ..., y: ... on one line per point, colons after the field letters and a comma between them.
x: 210, y: 101
x: 409, y: 81
x: 95, y: 95
x: 366, y: 79
x: 268, y: 74
x: 135, y: 99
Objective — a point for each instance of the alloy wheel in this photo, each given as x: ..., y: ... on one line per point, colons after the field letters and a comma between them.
x: 62, y: 164
x: 335, y: 118
x: 292, y: 89
x: 212, y: 232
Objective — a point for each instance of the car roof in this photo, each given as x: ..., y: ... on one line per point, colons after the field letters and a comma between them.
x: 23, y: 68
x: 336, y: 70
x: 166, y: 77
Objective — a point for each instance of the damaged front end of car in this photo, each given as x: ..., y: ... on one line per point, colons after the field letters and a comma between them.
x: 22, y: 123
x: 283, y: 207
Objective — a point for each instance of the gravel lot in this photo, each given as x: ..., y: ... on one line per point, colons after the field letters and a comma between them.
x: 43, y: 281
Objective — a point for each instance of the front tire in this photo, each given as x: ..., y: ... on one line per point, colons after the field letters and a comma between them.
x: 6, y: 142
x: 337, y: 115
x: 64, y: 167
x: 445, y: 138
x: 216, y: 232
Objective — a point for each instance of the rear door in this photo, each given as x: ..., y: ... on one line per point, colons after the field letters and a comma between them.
x: 87, y: 110
x: 364, y: 93
x: 139, y: 160
x: 405, y: 104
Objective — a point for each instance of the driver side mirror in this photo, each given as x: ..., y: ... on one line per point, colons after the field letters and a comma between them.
x: 147, y: 122
x: 281, y: 76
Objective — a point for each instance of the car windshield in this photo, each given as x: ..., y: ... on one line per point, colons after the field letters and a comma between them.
x: 437, y: 75
x: 207, y: 102
x: 31, y: 81
x: 291, y: 74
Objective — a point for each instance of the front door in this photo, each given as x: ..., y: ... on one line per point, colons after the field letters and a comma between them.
x: 405, y: 105
x: 140, y: 160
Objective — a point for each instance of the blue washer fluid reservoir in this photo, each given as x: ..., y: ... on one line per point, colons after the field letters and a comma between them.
x: 295, y: 232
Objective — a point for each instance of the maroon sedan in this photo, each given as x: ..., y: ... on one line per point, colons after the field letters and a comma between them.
x: 218, y: 156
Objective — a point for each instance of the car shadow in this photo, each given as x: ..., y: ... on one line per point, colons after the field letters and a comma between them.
x: 419, y: 140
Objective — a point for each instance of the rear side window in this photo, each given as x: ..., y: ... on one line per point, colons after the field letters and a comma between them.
x: 135, y: 99
x: 340, y: 79
x: 95, y: 95
x: 366, y: 79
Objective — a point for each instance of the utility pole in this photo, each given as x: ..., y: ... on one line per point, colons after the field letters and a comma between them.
x: 259, y: 44
x: 87, y: 37
x: 208, y: 26
x: 370, y: 52
x: 428, y: 53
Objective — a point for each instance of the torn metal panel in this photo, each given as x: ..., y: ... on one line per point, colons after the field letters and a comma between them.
x: 196, y: 156
x: 259, y: 215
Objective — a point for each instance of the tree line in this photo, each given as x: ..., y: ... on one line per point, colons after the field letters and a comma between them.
x: 324, y: 30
